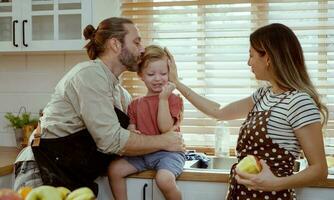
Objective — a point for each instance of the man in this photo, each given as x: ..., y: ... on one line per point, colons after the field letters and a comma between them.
x: 84, y: 125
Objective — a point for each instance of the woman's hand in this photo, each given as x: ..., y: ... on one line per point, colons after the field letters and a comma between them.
x: 173, y: 76
x: 264, y: 181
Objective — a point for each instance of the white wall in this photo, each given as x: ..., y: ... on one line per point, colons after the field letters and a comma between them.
x: 105, y: 8
x: 29, y: 79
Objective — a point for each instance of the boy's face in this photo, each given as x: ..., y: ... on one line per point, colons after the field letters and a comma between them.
x: 155, y: 76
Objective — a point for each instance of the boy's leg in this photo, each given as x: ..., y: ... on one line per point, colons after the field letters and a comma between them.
x: 117, y: 172
x: 169, y: 165
x: 167, y: 185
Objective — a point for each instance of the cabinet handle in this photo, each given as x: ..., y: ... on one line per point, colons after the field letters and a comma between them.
x: 14, y: 40
x: 23, y: 33
x: 144, y: 191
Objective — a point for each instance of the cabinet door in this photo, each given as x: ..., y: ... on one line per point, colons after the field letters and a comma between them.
x: 195, y: 190
x: 54, y: 24
x: 6, y: 181
x: 308, y: 193
x: 9, y: 25
x: 136, y: 188
x: 139, y: 189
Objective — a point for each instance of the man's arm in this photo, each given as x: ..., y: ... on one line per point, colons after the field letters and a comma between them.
x: 142, y: 144
x: 97, y: 112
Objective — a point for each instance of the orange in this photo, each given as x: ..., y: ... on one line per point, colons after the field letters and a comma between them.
x: 24, y: 191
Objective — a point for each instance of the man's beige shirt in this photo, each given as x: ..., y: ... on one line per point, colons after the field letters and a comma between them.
x: 84, y: 99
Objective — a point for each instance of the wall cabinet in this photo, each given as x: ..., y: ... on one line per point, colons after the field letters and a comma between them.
x: 43, y: 25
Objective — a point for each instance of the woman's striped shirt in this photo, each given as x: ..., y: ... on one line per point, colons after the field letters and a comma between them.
x: 295, y: 111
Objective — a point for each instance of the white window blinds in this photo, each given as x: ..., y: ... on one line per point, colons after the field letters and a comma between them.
x: 210, y: 43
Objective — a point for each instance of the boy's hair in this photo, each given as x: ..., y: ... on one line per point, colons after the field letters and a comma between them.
x: 152, y: 53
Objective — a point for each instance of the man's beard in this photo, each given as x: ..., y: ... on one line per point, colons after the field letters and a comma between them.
x: 129, y: 60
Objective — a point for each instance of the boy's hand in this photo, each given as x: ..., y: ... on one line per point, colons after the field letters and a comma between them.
x: 136, y: 131
x: 166, y: 90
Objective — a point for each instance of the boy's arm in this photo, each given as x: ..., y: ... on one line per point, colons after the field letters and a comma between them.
x: 165, y: 119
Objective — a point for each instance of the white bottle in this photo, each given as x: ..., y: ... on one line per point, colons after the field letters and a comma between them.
x: 222, y: 140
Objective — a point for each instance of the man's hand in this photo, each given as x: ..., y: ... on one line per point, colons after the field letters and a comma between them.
x: 166, y: 91
x: 173, y: 141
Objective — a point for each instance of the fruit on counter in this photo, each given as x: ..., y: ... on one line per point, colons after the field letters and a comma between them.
x: 8, y: 194
x: 44, y: 192
x: 24, y: 191
x: 330, y: 161
x: 83, y: 193
x: 63, y: 191
x: 249, y: 164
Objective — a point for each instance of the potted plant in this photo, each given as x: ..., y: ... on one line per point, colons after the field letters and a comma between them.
x: 23, y: 125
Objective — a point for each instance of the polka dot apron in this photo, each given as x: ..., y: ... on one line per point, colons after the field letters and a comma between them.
x: 254, y: 140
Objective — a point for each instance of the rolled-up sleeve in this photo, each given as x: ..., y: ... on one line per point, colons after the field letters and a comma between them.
x: 91, y: 94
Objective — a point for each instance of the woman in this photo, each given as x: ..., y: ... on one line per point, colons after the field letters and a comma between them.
x: 281, y: 120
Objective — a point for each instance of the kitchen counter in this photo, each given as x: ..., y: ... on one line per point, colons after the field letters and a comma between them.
x: 8, y: 155
x: 7, y: 158
x: 216, y: 176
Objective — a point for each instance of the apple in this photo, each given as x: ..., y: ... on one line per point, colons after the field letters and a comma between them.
x: 44, y: 192
x: 8, y: 194
x: 83, y: 193
x: 249, y: 164
x: 63, y: 191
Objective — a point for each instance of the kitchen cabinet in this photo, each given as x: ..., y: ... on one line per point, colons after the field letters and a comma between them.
x: 309, y: 193
x: 7, y: 181
x: 195, y: 190
x: 137, y: 189
x: 43, y: 25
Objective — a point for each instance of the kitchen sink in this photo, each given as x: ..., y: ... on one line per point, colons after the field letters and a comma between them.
x: 215, y: 163
x: 225, y: 164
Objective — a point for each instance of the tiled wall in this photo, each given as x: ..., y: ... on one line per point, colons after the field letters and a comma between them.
x: 29, y: 80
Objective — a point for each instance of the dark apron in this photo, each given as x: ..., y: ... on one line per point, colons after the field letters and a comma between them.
x: 73, y: 161
x: 253, y: 140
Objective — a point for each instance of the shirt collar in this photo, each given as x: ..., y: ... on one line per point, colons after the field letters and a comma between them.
x: 114, y: 79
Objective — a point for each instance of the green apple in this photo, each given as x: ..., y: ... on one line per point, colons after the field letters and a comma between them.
x: 83, y: 193
x: 249, y: 164
x: 63, y: 191
x: 44, y: 192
